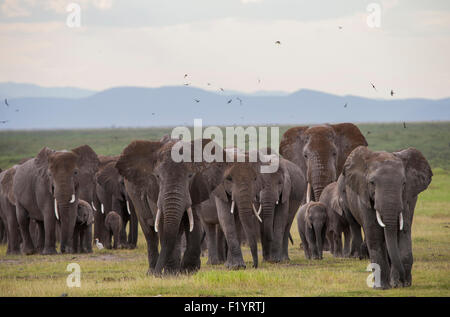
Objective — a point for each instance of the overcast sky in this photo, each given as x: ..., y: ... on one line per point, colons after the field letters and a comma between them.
x: 325, y: 45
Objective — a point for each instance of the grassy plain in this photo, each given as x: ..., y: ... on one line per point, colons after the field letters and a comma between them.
x: 122, y: 272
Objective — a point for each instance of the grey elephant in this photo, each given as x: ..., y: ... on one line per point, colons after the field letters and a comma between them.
x: 82, y: 234
x: 381, y: 192
x: 311, y: 222
x: 46, y: 190
x: 113, y: 226
x: 282, y: 192
x: 168, y: 207
x: 337, y: 224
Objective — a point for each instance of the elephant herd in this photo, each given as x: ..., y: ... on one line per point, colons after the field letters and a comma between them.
x: 326, y: 176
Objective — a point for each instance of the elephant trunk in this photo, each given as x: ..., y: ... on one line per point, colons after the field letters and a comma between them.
x: 68, y: 217
x: 173, y: 208
x: 247, y: 218
x: 268, y: 209
x: 321, y: 176
x: 319, y: 243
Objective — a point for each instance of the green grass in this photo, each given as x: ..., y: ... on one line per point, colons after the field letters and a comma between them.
x: 123, y: 272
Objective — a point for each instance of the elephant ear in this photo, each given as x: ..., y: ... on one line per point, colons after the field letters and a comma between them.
x: 417, y: 170
x: 348, y: 137
x: 137, y: 161
x: 297, y: 181
x: 88, y: 161
x: 335, y: 205
x: 291, y: 146
x: 355, y: 171
x: 42, y: 161
x: 7, y: 184
x: 198, y: 189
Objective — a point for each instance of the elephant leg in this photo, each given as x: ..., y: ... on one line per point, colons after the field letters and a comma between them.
x: 338, y: 244
x: 13, y: 232
x: 191, y: 257
x: 221, y: 244
x: 211, y: 240
x: 330, y: 238
x: 50, y: 235
x: 279, y: 231
x: 76, y: 239
x: 87, y: 241
x: 133, y: 235
x: 305, y: 245
x: 152, y: 239
x: 235, y: 259
x: 356, y: 237
x: 293, y: 207
x: 347, y: 236
x: 24, y: 224
x: 40, y: 236
x: 312, y: 245
x: 406, y: 255
x: 378, y: 255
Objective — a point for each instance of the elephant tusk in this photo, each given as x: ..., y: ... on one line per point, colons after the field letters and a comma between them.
x: 56, y: 210
x: 73, y: 199
x: 191, y: 219
x: 256, y: 213
x: 379, y: 220
x: 276, y: 203
x: 158, y: 217
x: 128, y: 208
x: 259, y: 210
x: 93, y: 206
x: 102, y: 208
x: 308, y: 193
x: 401, y: 221
x: 232, y: 206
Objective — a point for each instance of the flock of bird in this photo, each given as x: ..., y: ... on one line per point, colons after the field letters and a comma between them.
x: 222, y: 90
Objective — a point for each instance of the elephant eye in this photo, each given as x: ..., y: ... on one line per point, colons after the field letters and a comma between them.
x: 190, y: 175
x: 229, y: 178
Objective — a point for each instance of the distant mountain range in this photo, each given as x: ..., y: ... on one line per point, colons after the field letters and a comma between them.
x: 34, y: 107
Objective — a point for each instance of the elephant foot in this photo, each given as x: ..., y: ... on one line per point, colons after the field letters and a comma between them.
x: 235, y: 266
x: 13, y: 252
x: 214, y: 262
x: 49, y: 251
x: 67, y: 250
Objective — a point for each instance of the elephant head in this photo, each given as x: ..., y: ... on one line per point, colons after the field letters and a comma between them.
x: 387, y: 185
x: 320, y: 151
x: 88, y: 164
x: 180, y: 187
x: 61, y: 170
x: 85, y: 215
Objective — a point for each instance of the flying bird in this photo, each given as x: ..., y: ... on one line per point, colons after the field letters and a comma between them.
x: 278, y: 42
x: 153, y: 113
x: 340, y: 27
x: 229, y: 101
x: 221, y: 89
x: 185, y: 75
x: 209, y: 84
x: 187, y: 84
x: 392, y: 92
x: 4, y: 121
x: 98, y: 244
x: 345, y: 106
x: 240, y: 100
x: 197, y: 100
x: 17, y: 110
x: 373, y: 86
x: 6, y: 102
x: 368, y: 132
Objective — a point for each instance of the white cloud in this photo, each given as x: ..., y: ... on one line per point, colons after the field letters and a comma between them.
x: 17, y: 8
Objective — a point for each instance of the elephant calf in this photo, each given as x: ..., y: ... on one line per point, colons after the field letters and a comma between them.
x: 113, y: 226
x: 82, y: 236
x: 311, y: 221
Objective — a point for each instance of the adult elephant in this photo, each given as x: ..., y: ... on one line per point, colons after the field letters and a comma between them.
x: 320, y: 151
x: 46, y: 189
x: 112, y: 195
x: 180, y: 186
x: 280, y: 196
x: 381, y: 191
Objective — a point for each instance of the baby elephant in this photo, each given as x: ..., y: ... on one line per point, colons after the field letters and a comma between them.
x: 113, y: 226
x: 311, y: 221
